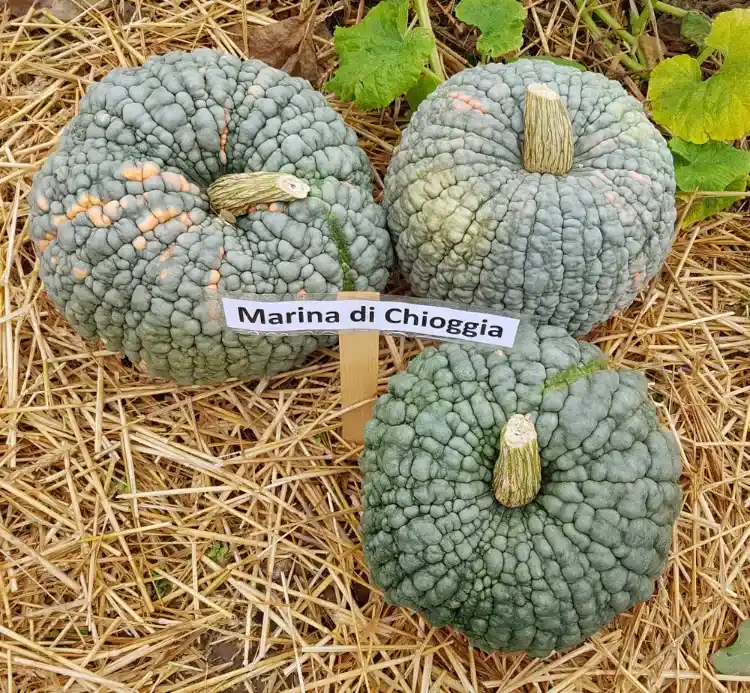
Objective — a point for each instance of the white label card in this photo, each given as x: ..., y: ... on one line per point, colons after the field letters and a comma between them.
x: 400, y: 317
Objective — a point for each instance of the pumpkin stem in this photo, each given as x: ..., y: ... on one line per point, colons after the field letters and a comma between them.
x: 548, y: 132
x: 518, y: 471
x: 236, y: 192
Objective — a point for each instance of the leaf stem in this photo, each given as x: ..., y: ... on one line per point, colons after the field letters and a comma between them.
x: 639, y: 22
x: 666, y: 8
x: 422, y: 10
x: 613, y: 24
x: 705, y: 54
x: 627, y: 60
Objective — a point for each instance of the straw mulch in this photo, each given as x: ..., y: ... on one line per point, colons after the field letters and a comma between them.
x: 158, y: 538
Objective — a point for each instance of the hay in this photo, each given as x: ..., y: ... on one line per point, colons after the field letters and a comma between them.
x: 157, y: 538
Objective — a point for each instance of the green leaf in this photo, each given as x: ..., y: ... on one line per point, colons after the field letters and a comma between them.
x: 705, y: 207
x: 695, y: 28
x: 553, y: 59
x: 711, y: 166
x: 500, y: 21
x: 218, y: 552
x: 735, y: 659
x: 426, y: 84
x: 380, y: 58
x: 717, y: 108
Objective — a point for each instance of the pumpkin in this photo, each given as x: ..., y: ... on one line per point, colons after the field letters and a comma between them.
x: 195, y: 177
x: 524, y: 498
x: 531, y: 188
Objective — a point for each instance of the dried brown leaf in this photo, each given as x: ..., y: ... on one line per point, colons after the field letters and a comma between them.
x: 653, y: 49
x: 286, y: 45
x: 64, y: 10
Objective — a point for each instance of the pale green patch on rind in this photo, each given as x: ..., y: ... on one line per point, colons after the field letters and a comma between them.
x: 380, y: 58
x: 570, y: 375
x: 500, y: 21
x: 337, y: 233
x: 717, y: 108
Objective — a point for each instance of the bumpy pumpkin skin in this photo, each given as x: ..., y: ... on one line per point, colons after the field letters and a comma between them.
x: 547, y: 575
x: 131, y: 251
x: 471, y: 225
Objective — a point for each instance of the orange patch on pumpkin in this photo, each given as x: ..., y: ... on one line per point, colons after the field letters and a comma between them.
x: 132, y: 173
x: 467, y: 99
x: 167, y: 253
x: 140, y: 172
x: 58, y: 219
x: 150, y: 169
x: 43, y: 244
x: 165, y: 214
x: 54, y: 260
x: 87, y: 200
x: 164, y: 274
x: 185, y: 219
x: 149, y: 223
x: 74, y: 211
x: 175, y: 181
x: 42, y: 203
x: 111, y: 208
x: 213, y: 277
x: 98, y: 217
x: 80, y: 273
x: 139, y: 243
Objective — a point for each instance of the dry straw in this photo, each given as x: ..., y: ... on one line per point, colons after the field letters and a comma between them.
x: 156, y: 538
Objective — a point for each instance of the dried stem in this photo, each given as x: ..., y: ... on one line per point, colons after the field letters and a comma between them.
x: 517, y: 476
x: 548, y: 132
x: 238, y: 192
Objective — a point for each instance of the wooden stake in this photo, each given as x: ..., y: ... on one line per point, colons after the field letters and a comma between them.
x: 359, y: 373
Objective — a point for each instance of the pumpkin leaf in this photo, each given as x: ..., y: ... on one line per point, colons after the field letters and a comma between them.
x: 705, y: 207
x: 717, y: 108
x: 426, y: 84
x: 500, y: 21
x: 735, y: 659
x: 709, y: 166
x: 695, y: 27
x: 380, y: 58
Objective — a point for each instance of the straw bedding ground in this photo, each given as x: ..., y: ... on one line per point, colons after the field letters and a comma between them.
x: 156, y: 538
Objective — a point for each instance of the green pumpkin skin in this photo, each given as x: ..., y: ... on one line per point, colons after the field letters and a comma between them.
x: 131, y: 251
x: 545, y: 576
x: 471, y: 225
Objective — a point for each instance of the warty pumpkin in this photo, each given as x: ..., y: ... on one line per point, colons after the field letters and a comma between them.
x: 523, y: 497
x: 132, y: 249
x: 531, y: 188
